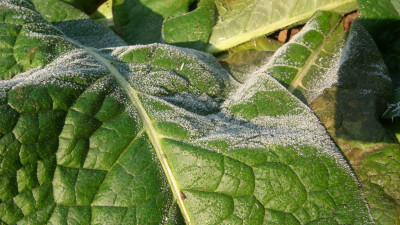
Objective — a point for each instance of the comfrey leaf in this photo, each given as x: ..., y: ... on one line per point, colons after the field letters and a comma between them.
x: 380, y: 178
x: 342, y: 76
x: 77, y: 25
x: 382, y: 19
x: 243, y: 60
x: 22, y: 39
x: 241, y: 21
x: 159, y: 134
x: 140, y: 21
x: 192, y: 29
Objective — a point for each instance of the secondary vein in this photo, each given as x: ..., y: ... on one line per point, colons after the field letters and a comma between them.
x: 148, y: 127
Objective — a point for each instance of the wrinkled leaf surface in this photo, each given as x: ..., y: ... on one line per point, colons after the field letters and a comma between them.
x: 128, y: 134
x: 342, y: 76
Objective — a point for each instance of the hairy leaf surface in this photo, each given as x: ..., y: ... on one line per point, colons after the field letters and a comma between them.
x: 128, y: 134
x: 382, y: 19
x: 76, y: 24
x: 342, y: 76
x: 243, y: 20
x: 19, y: 53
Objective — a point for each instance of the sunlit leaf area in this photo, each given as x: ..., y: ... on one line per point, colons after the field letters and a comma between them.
x: 200, y: 112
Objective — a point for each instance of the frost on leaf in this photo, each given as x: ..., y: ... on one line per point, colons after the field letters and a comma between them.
x: 128, y: 134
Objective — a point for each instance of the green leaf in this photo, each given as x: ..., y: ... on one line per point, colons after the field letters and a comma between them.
x: 380, y: 176
x: 382, y: 19
x: 191, y: 29
x: 140, y: 21
x: 376, y: 14
x: 345, y: 81
x: 360, y: 100
x: 87, y: 6
x: 307, y: 64
x: 76, y: 24
x: 384, y: 208
x: 57, y: 10
x: 323, y: 69
x: 245, y: 59
x: 259, y: 44
x: 125, y: 135
x: 241, y: 21
x: 103, y: 14
x: 21, y: 51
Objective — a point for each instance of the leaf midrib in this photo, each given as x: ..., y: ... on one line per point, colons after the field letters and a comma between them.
x: 148, y: 127
x: 314, y: 56
x: 247, y: 36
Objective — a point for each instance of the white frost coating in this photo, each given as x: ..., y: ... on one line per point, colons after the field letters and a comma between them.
x: 79, y: 69
x: 270, y: 131
x: 307, y: 131
x: 34, y: 16
x: 8, y: 84
x: 158, y: 82
x: 253, y: 85
x: 74, y: 65
x: 358, y: 43
x: 328, y: 78
x: 196, y: 125
x: 204, y: 62
x: 75, y: 60
x: 123, y: 50
x: 153, y: 135
x: 301, y: 128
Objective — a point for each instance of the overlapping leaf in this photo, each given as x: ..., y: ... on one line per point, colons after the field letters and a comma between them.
x: 382, y: 19
x: 76, y: 24
x: 192, y: 29
x: 241, y: 21
x: 342, y: 76
x: 128, y: 134
x: 140, y: 22
x: 88, y: 6
x: 104, y: 14
x: 246, y: 58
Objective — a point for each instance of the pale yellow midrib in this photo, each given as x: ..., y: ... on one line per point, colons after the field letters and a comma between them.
x: 247, y: 36
x: 314, y: 55
x: 148, y: 127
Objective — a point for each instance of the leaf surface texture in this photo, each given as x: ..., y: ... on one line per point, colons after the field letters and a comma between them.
x: 344, y: 79
x: 243, y: 20
x: 127, y: 134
